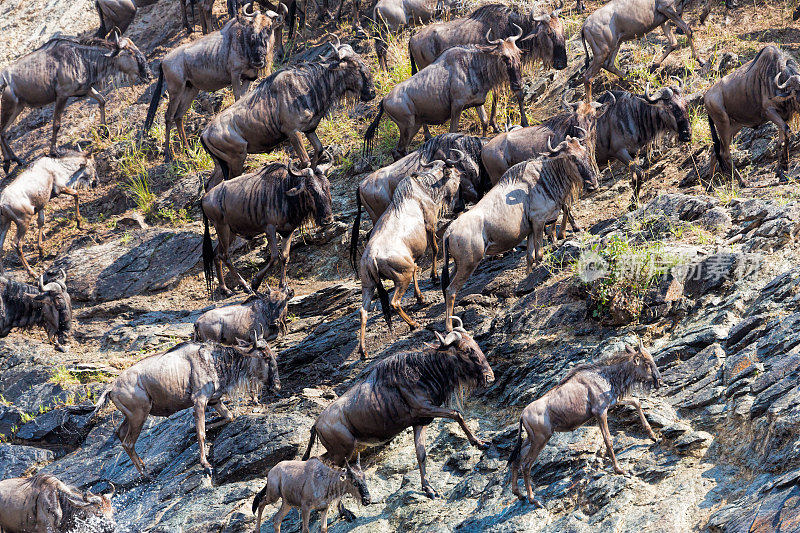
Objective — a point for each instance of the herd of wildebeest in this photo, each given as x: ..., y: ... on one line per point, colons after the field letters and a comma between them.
x: 517, y: 184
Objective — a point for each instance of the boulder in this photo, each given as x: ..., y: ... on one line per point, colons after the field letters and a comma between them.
x: 18, y: 461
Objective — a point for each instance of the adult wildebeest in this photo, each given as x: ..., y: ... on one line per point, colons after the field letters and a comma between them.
x: 260, y: 311
x: 232, y: 56
x: 587, y: 391
x: 527, y: 197
x: 47, y: 305
x: 542, y: 39
x: 391, y: 15
x: 459, y: 79
x: 120, y: 13
x: 624, y: 20
x: 43, y: 504
x: 401, y: 236
x: 309, y: 485
x: 276, y: 199
x: 287, y: 104
x: 765, y: 89
x: 193, y: 375
x: 633, y: 123
x: 404, y: 390
x: 59, y: 69
x: 29, y: 193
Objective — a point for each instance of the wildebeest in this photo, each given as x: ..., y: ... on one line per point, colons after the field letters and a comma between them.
x: 527, y: 197
x: 624, y: 20
x: 260, y: 311
x: 401, y: 236
x: 391, y: 15
x: 287, y: 104
x: 60, y: 69
x: 189, y: 375
x: 542, y: 39
x: 119, y: 14
x: 634, y: 122
x: 587, y: 391
x: 459, y: 79
x: 44, y: 504
x: 29, y: 193
x: 404, y: 390
x: 232, y: 56
x: 276, y: 199
x: 309, y: 485
x: 47, y: 305
x: 765, y: 89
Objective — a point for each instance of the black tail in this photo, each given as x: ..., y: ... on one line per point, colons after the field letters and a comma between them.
x: 369, y: 136
x: 446, y: 269
x: 223, y: 166
x: 585, y: 51
x: 101, y: 31
x: 411, y: 60
x: 208, y: 254
x: 192, y: 3
x: 232, y: 5
x: 292, y: 17
x: 310, y: 442
x: 259, y: 497
x: 384, y: 298
x: 354, y: 237
x: 517, y: 447
x: 154, y: 101
x: 715, y: 139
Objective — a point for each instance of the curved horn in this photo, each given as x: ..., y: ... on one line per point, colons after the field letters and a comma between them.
x: 439, y: 336
x: 294, y: 171
x: 426, y: 164
x: 460, y: 322
x: 283, y: 10
x: 641, y: 345
x: 550, y: 146
x: 254, y: 336
x: 453, y: 162
x: 454, y: 337
x: 679, y: 81
x: 62, y: 275
x: 613, y: 98
x: 41, y: 282
x: 514, y: 38
x: 247, y: 10
x: 110, y: 495
x: 778, y: 83
x: 358, y: 460
x: 585, y: 133
x: 650, y: 99
x: 489, y: 39
x: 338, y: 42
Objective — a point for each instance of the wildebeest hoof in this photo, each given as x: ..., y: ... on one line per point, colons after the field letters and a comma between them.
x: 347, y: 515
x: 225, y: 292
x: 208, y: 471
x: 430, y: 492
x: 62, y: 348
x: 481, y: 445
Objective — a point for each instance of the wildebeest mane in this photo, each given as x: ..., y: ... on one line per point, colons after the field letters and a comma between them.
x: 233, y: 368
x: 300, y: 209
x: 433, y: 369
x: 614, y: 368
x: 18, y: 306
x: 481, y: 61
x: 502, y: 17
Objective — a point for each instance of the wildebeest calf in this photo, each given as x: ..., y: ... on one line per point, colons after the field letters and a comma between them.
x: 29, y: 193
x: 44, y: 504
x: 587, y: 391
x: 260, y: 311
x: 189, y: 375
x: 309, y: 485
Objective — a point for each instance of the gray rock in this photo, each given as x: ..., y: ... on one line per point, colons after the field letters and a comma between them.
x: 17, y: 461
x: 10, y: 419
x: 693, y: 442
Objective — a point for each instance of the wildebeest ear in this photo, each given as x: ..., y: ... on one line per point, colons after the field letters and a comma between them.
x: 629, y: 349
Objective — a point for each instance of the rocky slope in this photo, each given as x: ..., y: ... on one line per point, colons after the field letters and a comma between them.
x: 720, y: 309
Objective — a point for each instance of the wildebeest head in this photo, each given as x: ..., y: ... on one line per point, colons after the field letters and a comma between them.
x: 789, y: 89
x: 510, y: 55
x: 127, y: 58
x: 586, y: 114
x: 672, y: 110
x: 263, y: 365
x: 277, y: 303
x: 578, y: 155
x: 314, y: 182
x: 257, y: 34
x: 473, y: 366
x: 86, y: 509
x: 86, y: 175
x: 547, y: 42
x: 645, y: 368
x: 448, y: 191
x: 356, y: 481
x: 360, y: 81
x: 56, y: 309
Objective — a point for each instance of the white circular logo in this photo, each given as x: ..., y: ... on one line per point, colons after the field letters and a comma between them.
x: 591, y: 266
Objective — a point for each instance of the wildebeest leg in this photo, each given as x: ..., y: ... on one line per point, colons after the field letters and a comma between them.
x: 305, y: 514
x: 602, y: 421
x: 784, y: 134
x: 128, y: 431
x: 431, y: 233
x: 200, y: 424
x: 401, y: 286
x: 493, y: 115
x: 317, y: 144
x: 538, y: 241
x: 272, y: 242
x: 462, y: 274
x: 223, y: 241
x: 296, y: 141
x: 39, y: 231
x: 286, y: 245
x: 672, y: 43
x: 57, y: 112
x: 366, y: 300
x: 5, y: 223
x: 223, y: 411
x: 633, y: 402
x: 10, y: 108
x: 101, y: 101
x: 421, y: 409
x: 279, y: 516
x: 537, y: 443
x: 323, y: 515
x: 183, y: 105
x: 669, y: 12
x: 610, y: 66
x: 408, y: 129
x: 455, y: 116
x: 484, y: 120
x: 419, y: 446
x: 417, y: 292
x: 71, y: 192
x: 22, y: 228
x: 427, y: 132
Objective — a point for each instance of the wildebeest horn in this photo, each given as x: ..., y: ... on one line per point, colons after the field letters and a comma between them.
x: 613, y: 98
x: 293, y: 170
x: 338, y: 42
x: 110, y: 495
x: 557, y: 11
x: 453, y: 162
x: 550, y: 145
x: 514, y: 38
x: 647, y: 96
x: 283, y: 10
x: 585, y: 133
x: 426, y: 164
x: 114, y: 38
x: 489, y: 39
x: 680, y: 81
x: 460, y: 325
x: 641, y: 345
x: 454, y: 337
x: 783, y: 85
x: 247, y: 10
x: 358, y: 460
x: 41, y: 282
x: 255, y: 337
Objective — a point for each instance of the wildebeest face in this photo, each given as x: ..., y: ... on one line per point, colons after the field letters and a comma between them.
x: 265, y: 366
x: 56, y: 310
x: 357, y: 481
x: 320, y: 188
x: 93, y: 508
x: 549, y: 40
x: 672, y: 109
x: 86, y: 177
x: 511, y: 59
x: 276, y: 302
x: 646, y: 368
x: 789, y: 89
x: 581, y: 158
x: 258, y: 36
x: 130, y: 60
x: 473, y: 361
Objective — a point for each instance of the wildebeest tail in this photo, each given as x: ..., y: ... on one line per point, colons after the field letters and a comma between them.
x: 585, y: 51
x: 208, y: 254
x: 715, y: 138
x: 292, y: 14
x: 517, y: 446
x: 101, y: 402
x: 154, y: 101
x: 310, y: 442
x: 383, y: 296
x: 101, y: 31
x: 231, y: 8
x: 259, y: 497
x: 446, y: 269
x: 369, y: 136
x: 354, y: 237
x: 411, y: 60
